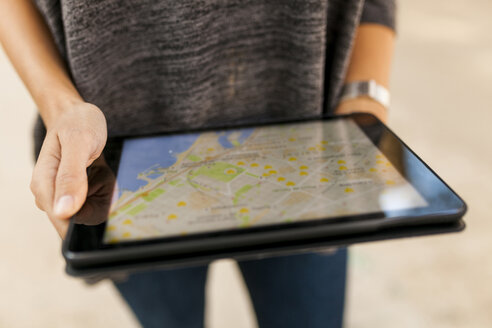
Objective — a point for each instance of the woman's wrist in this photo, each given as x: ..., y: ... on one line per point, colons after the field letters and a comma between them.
x: 53, y: 106
x: 362, y: 104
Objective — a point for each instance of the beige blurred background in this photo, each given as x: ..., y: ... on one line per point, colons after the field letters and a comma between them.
x: 442, y: 100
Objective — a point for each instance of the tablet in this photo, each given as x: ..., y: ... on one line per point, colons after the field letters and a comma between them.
x: 217, y: 192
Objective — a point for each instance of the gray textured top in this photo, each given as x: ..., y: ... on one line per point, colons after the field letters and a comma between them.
x: 163, y: 65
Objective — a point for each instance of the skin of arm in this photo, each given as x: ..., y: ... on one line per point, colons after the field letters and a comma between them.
x: 76, y: 130
x: 36, y: 58
x: 370, y: 60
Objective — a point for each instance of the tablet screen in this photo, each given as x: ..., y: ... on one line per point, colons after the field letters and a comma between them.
x: 192, y: 183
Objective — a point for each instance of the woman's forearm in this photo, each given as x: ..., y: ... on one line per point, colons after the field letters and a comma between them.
x: 370, y: 60
x: 31, y: 49
x: 371, y: 54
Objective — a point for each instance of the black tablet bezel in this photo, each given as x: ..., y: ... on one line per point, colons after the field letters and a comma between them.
x: 80, y: 247
x: 102, y: 270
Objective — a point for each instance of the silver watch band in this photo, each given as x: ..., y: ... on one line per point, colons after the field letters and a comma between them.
x: 369, y: 88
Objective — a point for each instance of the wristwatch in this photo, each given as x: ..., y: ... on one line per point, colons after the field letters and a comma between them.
x: 369, y: 89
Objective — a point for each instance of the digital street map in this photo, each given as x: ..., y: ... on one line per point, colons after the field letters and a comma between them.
x: 184, y: 184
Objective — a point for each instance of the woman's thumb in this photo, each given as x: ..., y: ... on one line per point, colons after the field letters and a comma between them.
x: 71, y: 181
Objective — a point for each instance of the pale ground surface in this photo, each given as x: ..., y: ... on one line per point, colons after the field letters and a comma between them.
x: 442, y: 91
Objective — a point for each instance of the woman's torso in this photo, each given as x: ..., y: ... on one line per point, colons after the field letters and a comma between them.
x: 164, y: 65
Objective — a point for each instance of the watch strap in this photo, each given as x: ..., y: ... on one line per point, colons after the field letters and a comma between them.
x: 369, y: 89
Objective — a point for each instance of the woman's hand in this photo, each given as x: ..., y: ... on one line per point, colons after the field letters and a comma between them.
x: 76, y: 130
x: 364, y: 105
x: 74, y: 139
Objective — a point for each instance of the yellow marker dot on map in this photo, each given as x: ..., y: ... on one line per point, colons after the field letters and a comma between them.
x: 390, y: 182
x: 303, y: 167
x: 379, y: 162
x: 341, y: 168
x: 111, y: 228
x: 388, y: 164
x: 254, y: 164
x: 181, y: 203
x: 292, y: 159
x: 268, y: 167
x: 303, y: 173
x: 230, y: 171
x: 266, y: 174
x: 172, y: 216
x: 272, y: 172
x: 292, y: 139
x: 349, y: 190
x: 240, y: 163
x: 324, y: 180
x: 128, y: 221
x: 341, y: 162
x: 311, y: 148
x: 324, y: 142
x: 281, y: 179
x: 113, y: 240
x: 322, y: 148
x: 244, y: 210
x: 126, y: 235
x: 379, y: 156
x: 372, y: 169
x: 290, y: 183
x: 210, y: 149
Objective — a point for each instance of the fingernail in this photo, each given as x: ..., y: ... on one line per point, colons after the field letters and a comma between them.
x: 64, y: 205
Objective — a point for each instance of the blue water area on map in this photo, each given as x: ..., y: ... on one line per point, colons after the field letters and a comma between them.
x: 141, y: 154
x: 224, y: 137
x: 154, y: 175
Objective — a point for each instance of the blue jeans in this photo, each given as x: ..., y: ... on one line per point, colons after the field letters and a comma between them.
x: 305, y: 290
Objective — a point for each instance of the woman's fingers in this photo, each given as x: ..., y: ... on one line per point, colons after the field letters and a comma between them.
x: 44, y: 174
x: 43, y: 180
x: 59, y: 181
x: 61, y: 226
